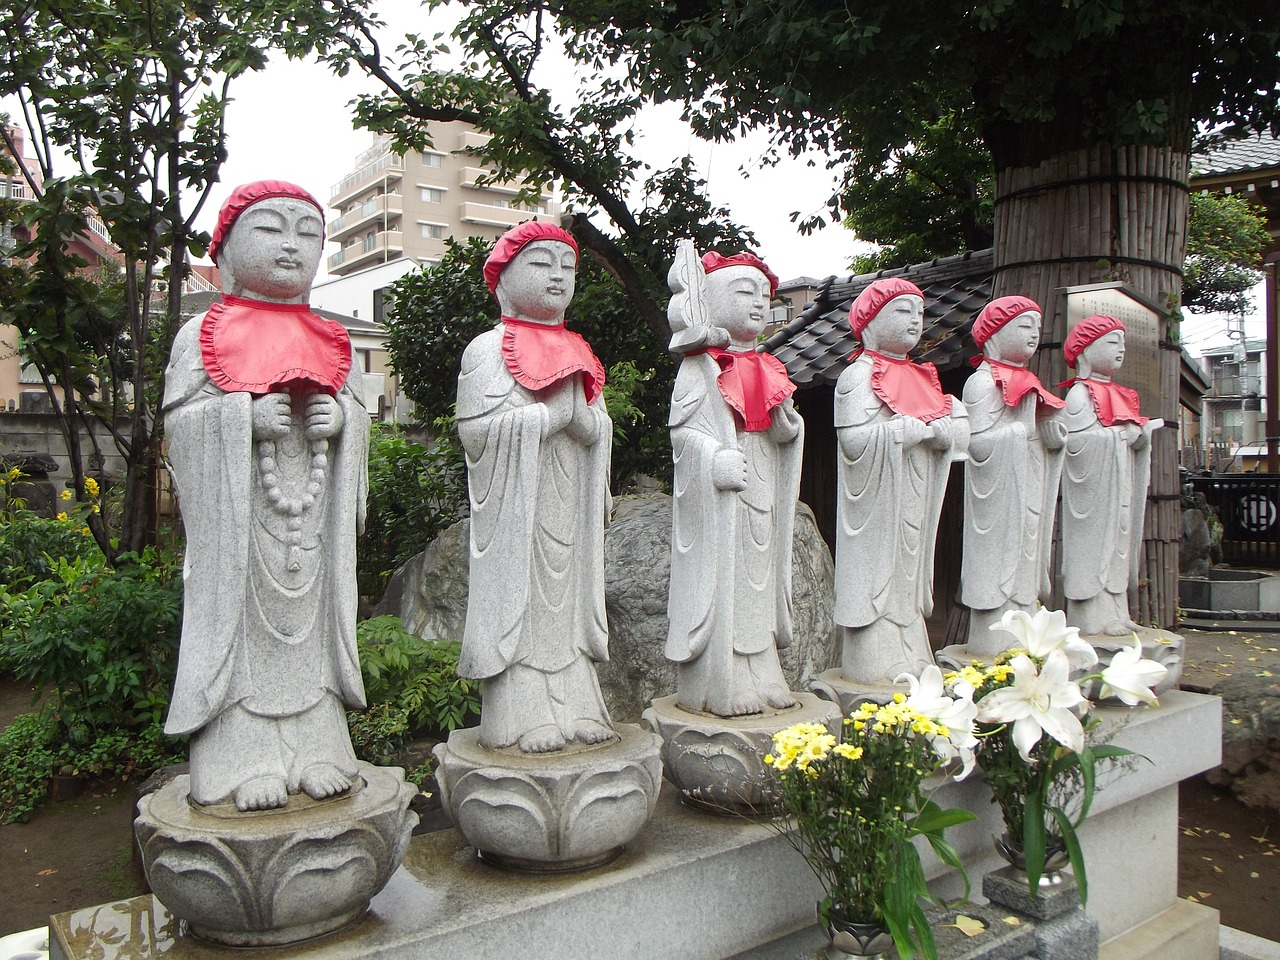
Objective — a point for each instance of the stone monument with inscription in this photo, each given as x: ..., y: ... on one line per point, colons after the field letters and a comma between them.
x: 897, y: 435
x: 278, y: 833
x: 546, y: 782
x: 736, y: 443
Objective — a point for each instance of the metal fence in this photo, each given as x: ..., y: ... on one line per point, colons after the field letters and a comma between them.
x: 1249, y: 507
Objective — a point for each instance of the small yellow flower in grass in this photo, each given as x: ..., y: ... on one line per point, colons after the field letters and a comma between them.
x: 14, y: 473
x: 65, y: 495
x: 91, y: 486
x: 62, y: 517
x: 95, y: 509
x: 85, y: 531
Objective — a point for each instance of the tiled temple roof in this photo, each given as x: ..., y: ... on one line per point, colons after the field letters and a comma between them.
x: 815, y: 346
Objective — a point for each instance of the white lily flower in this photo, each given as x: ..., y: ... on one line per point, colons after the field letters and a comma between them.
x: 957, y: 713
x: 1131, y: 677
x: 1039, y: 701
x: 1044, y: 631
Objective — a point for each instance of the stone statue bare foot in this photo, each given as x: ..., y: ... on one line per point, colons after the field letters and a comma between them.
x: 261, y: 793
x: 779, y: 698
x: 544, y: 739
x: 321, y: 780
x: 745, y: 705
x: 592, y: 731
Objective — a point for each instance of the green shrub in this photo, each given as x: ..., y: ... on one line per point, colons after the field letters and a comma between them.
x: 31, y: 544
x: 33, y: 750
x: 415, y: 491
x: 419, y: 676
x: 104, y: 639
x: 378, y: 733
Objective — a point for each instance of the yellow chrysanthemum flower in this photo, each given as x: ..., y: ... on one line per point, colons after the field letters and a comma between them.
x: 91, y: 486
x: 65, y: 495
x: 62, y: 517
x: 85, y: 531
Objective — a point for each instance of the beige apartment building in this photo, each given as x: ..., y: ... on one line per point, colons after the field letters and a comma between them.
x: 393, y: 207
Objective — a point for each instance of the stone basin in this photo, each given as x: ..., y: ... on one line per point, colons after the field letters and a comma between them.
x: 1228, y: 589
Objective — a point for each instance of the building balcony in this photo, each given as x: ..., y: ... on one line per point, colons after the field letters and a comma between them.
x: 386, y: 205
x: 381, y: 247
x: 468, y: 176
x: 490, y: 216
x: 1233, y: 387
x: 387, y: 167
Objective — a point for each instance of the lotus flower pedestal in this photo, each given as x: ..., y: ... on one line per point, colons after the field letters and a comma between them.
x: 568, y: 810
x: 718, y: 762
x: 274, y: 877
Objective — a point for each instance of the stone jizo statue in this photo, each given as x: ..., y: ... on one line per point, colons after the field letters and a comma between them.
x: 537, y: 438
x: 1104, y: 481
x: 1011, y: 480
x: 736, y: 441
x: 897, y: 434
x: 268, y: 444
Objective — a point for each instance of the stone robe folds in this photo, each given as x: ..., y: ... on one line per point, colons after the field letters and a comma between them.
x: 539, y: 504
x: 1011, y: 493
x: 268, y: 654
x: 730, y: 597
x: 1104, y: 497
x: 889, y: 501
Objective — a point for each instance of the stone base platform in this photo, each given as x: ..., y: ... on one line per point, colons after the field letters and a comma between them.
x: 693, y: 887
x: 275, y: 876
x: 717, y: 763
x: 569, y: 810
x: 832, y: 685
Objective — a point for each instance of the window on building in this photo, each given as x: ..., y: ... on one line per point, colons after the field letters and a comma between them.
x: 501, y: 204
x: 432, y: 231
x: 432, y: 160
x: 382, y: 300
x: 431, y: 194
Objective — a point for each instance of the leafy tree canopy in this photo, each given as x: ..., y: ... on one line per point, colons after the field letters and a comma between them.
x: 1226, y: 237
x: 134, y: 93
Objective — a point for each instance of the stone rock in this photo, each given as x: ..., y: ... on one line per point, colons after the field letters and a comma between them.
x: 566, y: 810
x: 429, y: 593
x: 1250, y: 748
x: 1193, y: 549
x: 432, y: 592
x: 276, y: 878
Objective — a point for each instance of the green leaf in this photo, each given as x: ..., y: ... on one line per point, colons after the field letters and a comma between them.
x: 1033, y: 839
x: 1074, y: 853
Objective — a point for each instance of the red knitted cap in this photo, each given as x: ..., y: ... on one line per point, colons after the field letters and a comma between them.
x: 712, y: 261
x: 874, y: 297
x: 514, y: 240
x: 999, y: 312
x: 1086, y: 332
x: 245, y: 196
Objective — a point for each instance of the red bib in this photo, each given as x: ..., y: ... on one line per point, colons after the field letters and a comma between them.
x: 752, y: 384
x: 1112, y: 402
x: 912, y: 389
x: 541, y: 355
x: 250, y: 346
x: 1016, y: 382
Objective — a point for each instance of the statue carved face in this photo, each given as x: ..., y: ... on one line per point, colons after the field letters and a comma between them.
x: 1016, y: 341
x: 538, y: 284
x: 1105, y: 355
x: 273, y: 250
x: 896, y: 329
x: 739, y: 302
